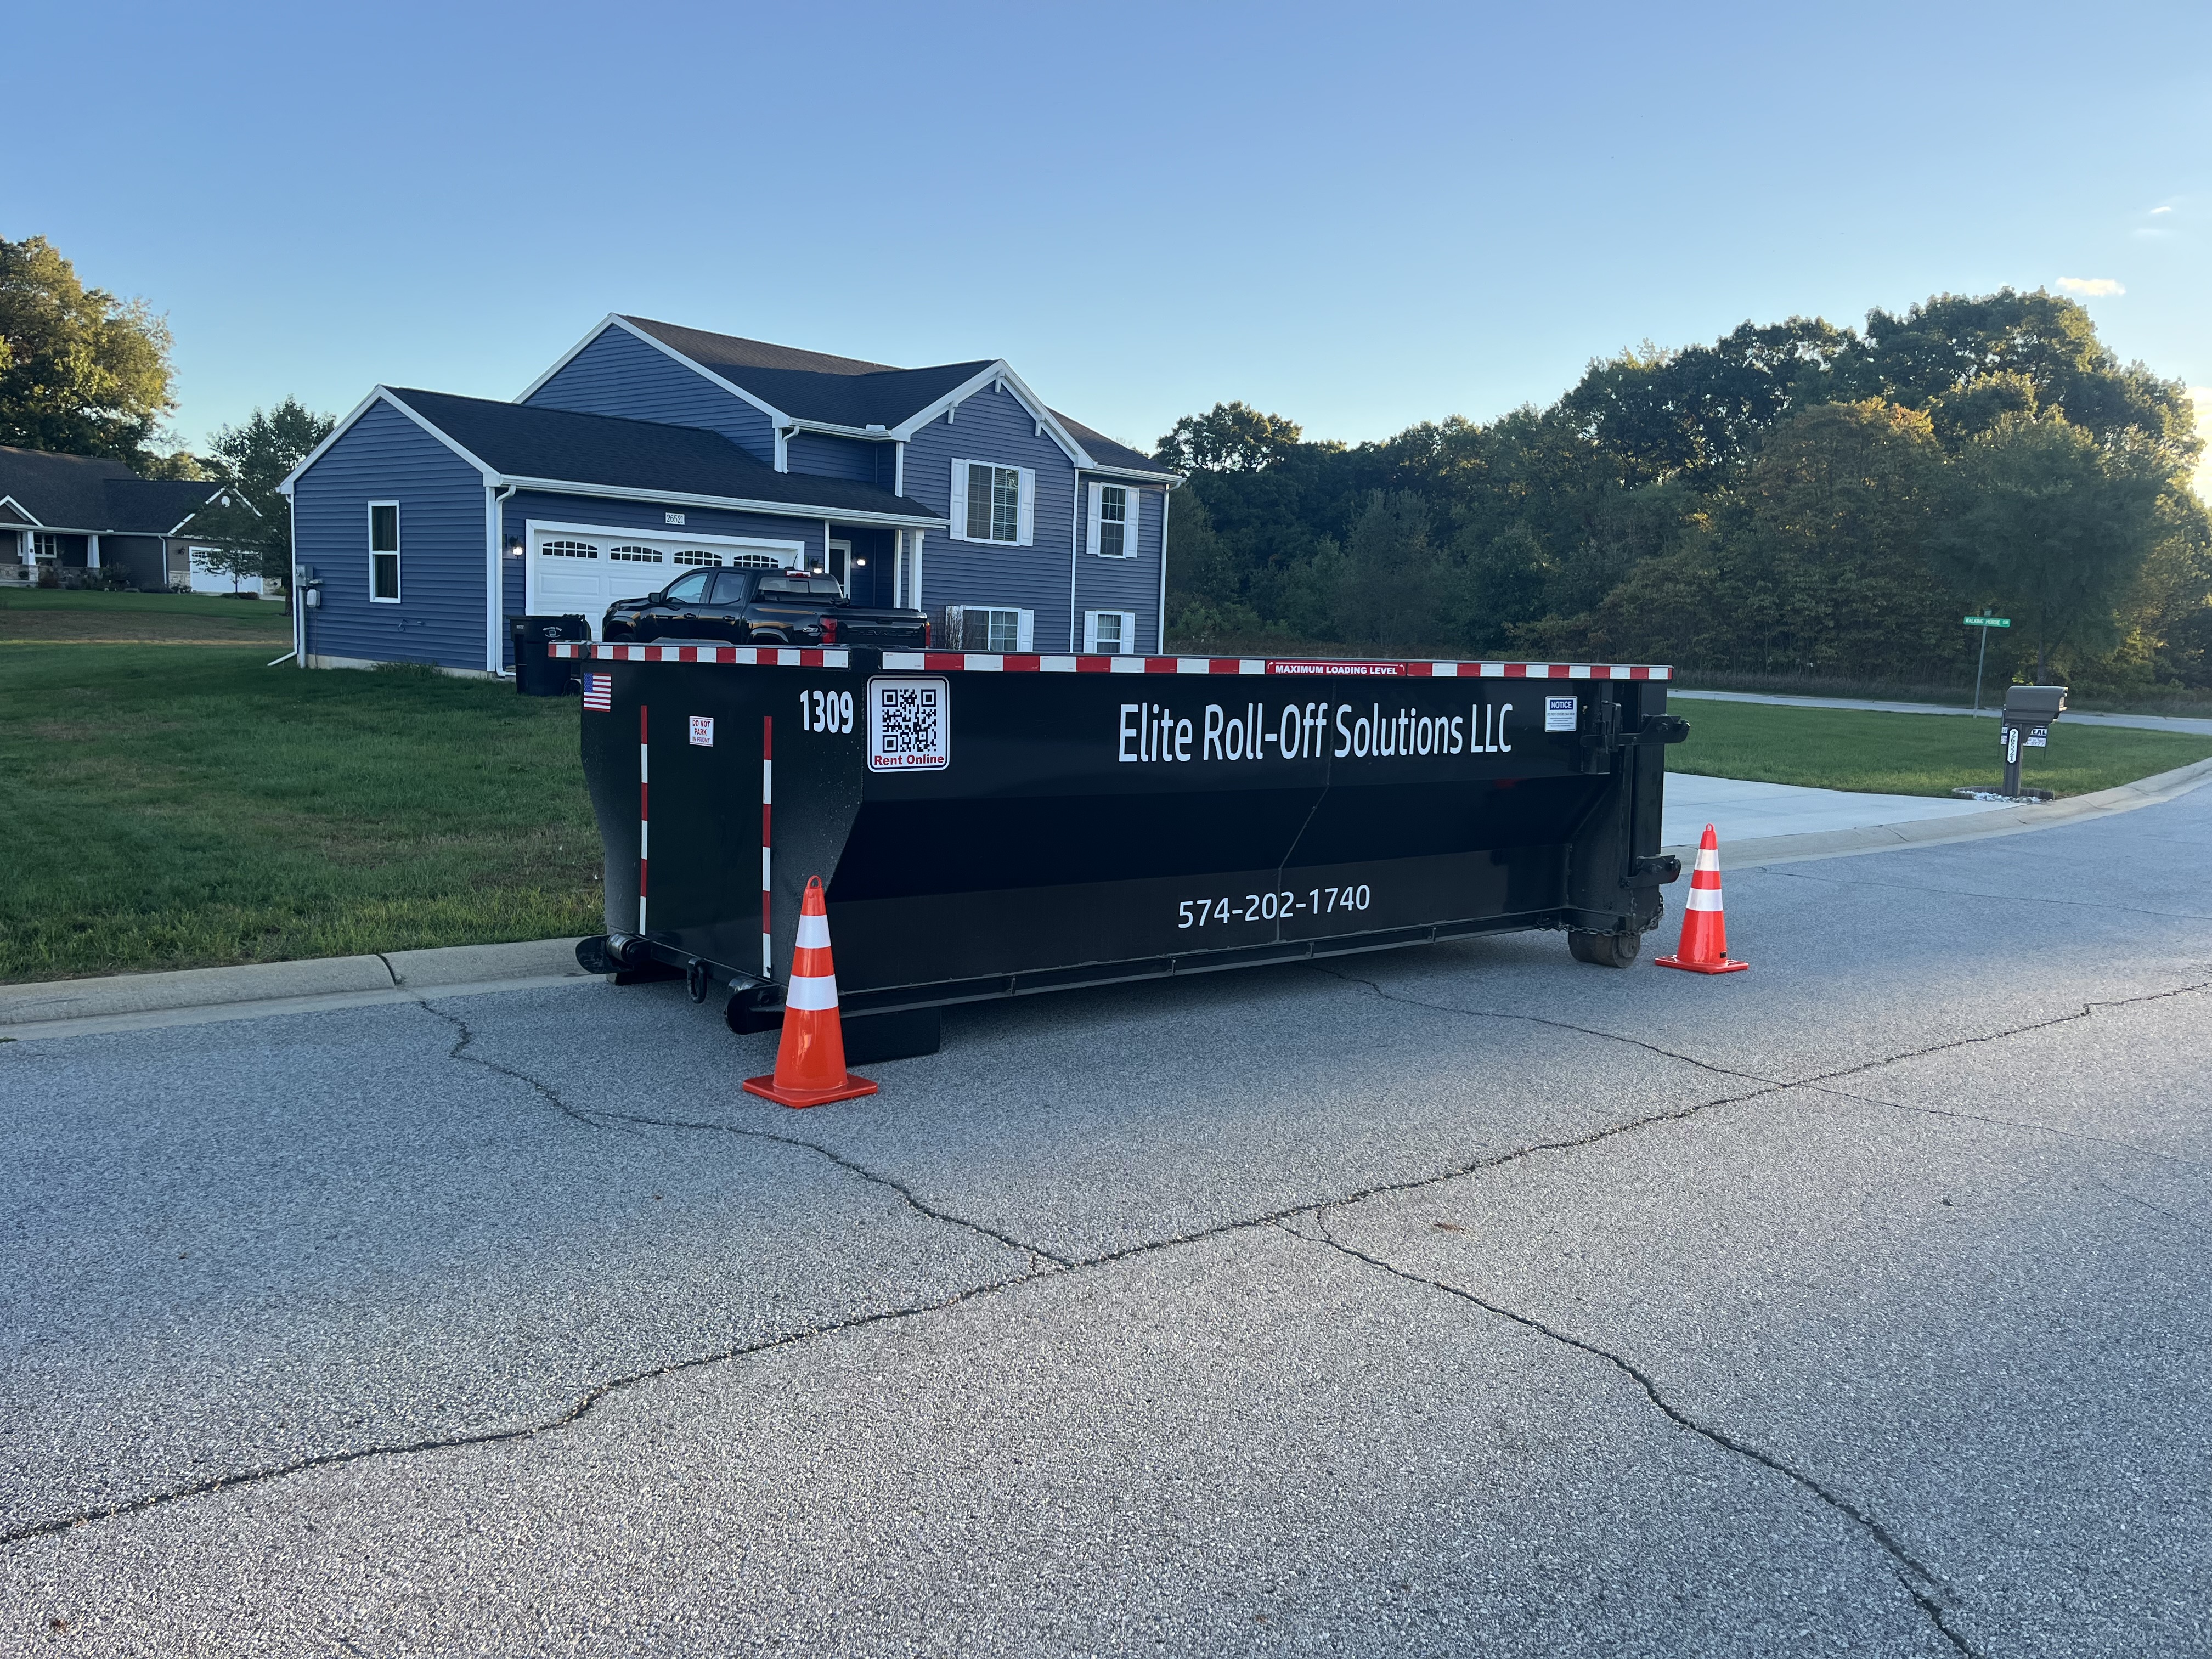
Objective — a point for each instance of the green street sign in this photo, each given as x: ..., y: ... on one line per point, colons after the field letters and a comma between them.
x: 1987, y: 622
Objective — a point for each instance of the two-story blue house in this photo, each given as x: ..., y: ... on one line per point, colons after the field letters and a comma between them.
x: 427, y: 520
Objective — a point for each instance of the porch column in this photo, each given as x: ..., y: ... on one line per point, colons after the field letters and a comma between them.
x: 92, y: 552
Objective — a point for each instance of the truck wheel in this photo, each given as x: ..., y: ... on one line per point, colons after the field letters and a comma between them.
x: 1604, y: 950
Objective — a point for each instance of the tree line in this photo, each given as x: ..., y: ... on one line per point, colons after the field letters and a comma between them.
x: 83, y: 372
x: 1796, y: 498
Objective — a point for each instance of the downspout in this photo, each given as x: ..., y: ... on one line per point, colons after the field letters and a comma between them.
x: 294, y: 588
x: 1074, y: 553
x: 495, y: 588
x: 1160, y: 628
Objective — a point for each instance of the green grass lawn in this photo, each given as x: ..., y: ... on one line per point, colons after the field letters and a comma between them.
x: 177, y: 806
x: 52, y: 615
x: 1910, y: 754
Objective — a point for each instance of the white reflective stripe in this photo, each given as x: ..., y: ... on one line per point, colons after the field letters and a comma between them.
x: 1125, y: 665
x: 811, y: 993
x: 1703, y: 898
x: 640, y: 913
x: 1709, y: 858
x: 902, y: 659
x: 1057, y: 664
x: 813, y: 932
x: 644, y: 763
x: 763, y: 869
x: 984, y: 662
x: 1492, y: 670
x: 767, y: 947
x: 1252, y: 665
x: 785, y: 657
x: 1193, y: 665
x: 1444, y: 670
x: 768, y: 773
x: 644, y: 830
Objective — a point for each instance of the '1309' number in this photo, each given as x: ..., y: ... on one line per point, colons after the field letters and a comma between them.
x: 826, y: 711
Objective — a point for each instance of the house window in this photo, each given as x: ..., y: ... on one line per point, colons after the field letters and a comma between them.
x: 1114, y: 520
x: 633, y: 554
x: 1110, y: 633
x: 568, y: 549
x: 46, y: 549
x: 986, y: 627
x: 384, y: 552
x: 993, y: 503
x: 693, y: 556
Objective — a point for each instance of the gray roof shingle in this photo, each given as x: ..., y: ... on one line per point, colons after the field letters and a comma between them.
x: 93, y: 493
x: 521, y: 441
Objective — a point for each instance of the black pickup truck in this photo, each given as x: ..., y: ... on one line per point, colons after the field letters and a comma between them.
x: 761, y: 607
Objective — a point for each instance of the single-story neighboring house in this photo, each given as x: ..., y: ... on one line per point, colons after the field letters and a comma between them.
x: 427, y: 520
x: 84, y: 512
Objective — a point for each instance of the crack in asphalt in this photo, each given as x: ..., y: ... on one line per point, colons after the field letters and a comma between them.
x: 904, y: 1191
x: 2081, y: 1135
x: 598, y: 1392
x: 1918, y: 1580
x: 585, y: 1404
x: 459, y: 1052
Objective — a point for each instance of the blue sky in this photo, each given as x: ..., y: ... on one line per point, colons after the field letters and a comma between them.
x: 1360, y: 216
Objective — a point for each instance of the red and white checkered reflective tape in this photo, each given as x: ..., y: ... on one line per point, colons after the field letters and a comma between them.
x: 761, y: 656
x: 981, y: 662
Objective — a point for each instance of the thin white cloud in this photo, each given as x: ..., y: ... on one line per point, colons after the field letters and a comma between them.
x: 2156, y: 211
x: 2090, y: 287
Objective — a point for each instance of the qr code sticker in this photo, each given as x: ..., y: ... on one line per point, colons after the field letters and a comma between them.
x: 910, y: 724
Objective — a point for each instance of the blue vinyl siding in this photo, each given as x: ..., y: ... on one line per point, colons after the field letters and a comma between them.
x: 826, y: 455
x: 1130, y: 584
x: 647, y: 518
x: 994, y: 426
x: 619, y: 375
x: 439, y: 619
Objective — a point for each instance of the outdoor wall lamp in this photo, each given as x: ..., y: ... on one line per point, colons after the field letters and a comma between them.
x: 514, y: 547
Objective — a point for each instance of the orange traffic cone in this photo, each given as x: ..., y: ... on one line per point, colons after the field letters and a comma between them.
x: 810, y: 1062
x: 1703, y: 949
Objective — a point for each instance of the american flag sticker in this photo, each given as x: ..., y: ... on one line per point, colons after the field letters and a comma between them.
x: 599, y: 692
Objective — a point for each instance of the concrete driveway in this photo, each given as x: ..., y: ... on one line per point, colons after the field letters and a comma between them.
x: 1458, y: 1300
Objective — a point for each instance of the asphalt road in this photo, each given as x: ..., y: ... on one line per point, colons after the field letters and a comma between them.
x: 1459, y: 1300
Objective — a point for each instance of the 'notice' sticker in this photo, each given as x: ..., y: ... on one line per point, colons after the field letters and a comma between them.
x: 1558, y: 713
x: 702, y: 730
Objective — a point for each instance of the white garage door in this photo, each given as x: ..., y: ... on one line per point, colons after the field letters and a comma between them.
x: 575, y: 571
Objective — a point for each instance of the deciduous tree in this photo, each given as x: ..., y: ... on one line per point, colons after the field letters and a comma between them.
x: 81, y: 372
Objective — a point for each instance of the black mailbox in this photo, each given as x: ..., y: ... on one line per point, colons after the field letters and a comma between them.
x: 2026, y: 723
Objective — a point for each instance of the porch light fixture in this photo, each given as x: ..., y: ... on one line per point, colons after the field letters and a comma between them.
x: 514, y: 547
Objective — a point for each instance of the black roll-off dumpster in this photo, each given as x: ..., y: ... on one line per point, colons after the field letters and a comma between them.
x: 991, y: 825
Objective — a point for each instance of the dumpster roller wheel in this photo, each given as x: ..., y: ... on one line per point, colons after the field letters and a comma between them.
x: 1605, y: 950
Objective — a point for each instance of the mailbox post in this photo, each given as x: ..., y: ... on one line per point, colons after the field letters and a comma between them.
x: 2024, y: 723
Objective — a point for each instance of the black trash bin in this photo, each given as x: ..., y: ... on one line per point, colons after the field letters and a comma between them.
x: 536, y: 674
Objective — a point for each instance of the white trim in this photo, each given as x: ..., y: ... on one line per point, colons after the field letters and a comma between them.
x: 995, y: 373
x: 615, y: 319
x: 381, y: 394
x: 10, y: 501
x: 1160, y: 618
x: 1169, y: 479
x: 776, y: 509
x: 178, y: 528
x: 1128, y: 646
x: 393, y: 553
x: 914, y: 572
x: 898, y: 469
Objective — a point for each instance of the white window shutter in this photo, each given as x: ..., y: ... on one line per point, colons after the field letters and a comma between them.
x: 1128, y: 632
x: 1025, y: 631
x: 1091, y: 620
x: 1025, y: 536
x: 1097, y: 494
x: 1132, y: 518
x: 959, y: 514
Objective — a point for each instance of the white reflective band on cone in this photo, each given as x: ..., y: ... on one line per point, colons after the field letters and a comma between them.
x: 811, y: 993
x: 1703, y: 898
x: 814, y: 932
x: 1709, y: 858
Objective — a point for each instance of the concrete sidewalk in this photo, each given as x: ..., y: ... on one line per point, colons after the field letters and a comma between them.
x: 1746, y: 811
x: 2194, y: 726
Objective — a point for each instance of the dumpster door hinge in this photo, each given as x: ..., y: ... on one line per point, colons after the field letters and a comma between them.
x: 1657, y: 871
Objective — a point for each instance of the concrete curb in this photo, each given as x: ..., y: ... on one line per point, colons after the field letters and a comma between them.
x: 128, y: 1002
x: 134, y: 1002
x: 1971, y: 826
